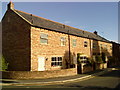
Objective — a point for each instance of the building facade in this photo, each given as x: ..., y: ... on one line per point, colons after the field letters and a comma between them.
x: 32, y: 43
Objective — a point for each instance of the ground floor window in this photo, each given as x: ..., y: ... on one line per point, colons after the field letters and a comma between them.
x: 83, y: 59
x: 56, y: 61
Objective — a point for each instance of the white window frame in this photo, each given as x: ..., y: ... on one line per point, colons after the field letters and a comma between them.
x: 43, y: 38
x: 84, y: 58
x: 105, y: 47
x: 74, y: 42
x: 57, y: 62
x: 63, y: 41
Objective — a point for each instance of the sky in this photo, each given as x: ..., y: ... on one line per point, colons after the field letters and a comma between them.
x: 89, y: 16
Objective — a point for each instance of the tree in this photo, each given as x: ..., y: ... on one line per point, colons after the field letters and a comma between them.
x: 3, y: 64
x: 78, y: 58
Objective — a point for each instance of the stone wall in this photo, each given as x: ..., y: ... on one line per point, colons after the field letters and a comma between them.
x: 38, y: 74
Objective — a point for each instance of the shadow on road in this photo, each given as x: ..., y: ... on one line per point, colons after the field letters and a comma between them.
x: 114, y: 73
x: 87, y: 87
x: 8, y: 81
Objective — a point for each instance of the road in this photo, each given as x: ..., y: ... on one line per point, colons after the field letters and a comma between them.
x: 108, y: 81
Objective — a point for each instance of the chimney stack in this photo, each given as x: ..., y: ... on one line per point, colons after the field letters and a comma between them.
x: 95, y: 32
x: 10, y: 6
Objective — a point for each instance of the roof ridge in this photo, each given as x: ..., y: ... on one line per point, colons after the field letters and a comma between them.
x: 53, y: 21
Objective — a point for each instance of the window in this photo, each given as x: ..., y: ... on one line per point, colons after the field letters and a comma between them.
x: 110, y: 47
x: 83, y: 59
x: 85, y: 43
x: 94, y: 53
x: 106, y: 47
x: 98, y: 53
x: 56, y: 61
x: 43, y: 38
x: 101, y: 46
x: 74, y: 42
x: 63, y: 41
x: 94, y: 45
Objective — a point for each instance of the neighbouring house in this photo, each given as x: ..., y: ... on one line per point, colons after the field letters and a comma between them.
x: 115, y: 61
x: 33, y: 43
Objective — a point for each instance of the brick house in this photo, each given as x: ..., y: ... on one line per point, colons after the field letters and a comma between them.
x: 32, y: 43
x: 116, y: 54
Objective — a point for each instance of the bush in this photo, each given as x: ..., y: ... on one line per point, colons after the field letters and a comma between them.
x: 91, y: 61
x: 98, y: 59
x: 103, y: 57
x: 3, y: 64
x: 78, y: 58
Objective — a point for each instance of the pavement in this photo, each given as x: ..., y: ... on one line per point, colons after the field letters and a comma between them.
x: 57, y: 80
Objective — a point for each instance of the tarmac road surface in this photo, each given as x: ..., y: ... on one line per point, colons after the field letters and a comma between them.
x: 107, y: 81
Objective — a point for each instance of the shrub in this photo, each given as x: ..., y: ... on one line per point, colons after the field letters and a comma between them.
x: 3, y: 64
x: 103, y: 57
x: 90, y: 60
x: 98, y: 59
x: 78, y: 58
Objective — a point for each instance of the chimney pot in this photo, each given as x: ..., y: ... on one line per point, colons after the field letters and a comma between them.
x: 95, y: 32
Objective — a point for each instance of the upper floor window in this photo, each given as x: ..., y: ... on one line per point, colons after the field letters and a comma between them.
x: 101, y: 46
x: 105, y: 46
x: 74, y: 42
x: 110, y: 47
x: 85, y: 43
x: 43, y: 38
x: 94, y: 45
x: 63, y: 41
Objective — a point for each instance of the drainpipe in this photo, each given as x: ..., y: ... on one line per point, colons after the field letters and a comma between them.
x: 69, y: 49
x: 90, y: 48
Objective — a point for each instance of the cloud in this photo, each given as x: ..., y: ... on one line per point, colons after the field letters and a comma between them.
x: 67, y: 22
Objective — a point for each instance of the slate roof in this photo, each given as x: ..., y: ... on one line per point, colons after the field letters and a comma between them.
x: 55, y: 26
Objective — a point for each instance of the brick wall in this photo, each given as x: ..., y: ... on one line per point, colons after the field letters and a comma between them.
x: 38, y: 74
x: 16, y: 42
x: 54, y: 48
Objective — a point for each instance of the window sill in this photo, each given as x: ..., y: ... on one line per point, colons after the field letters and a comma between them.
x: 62, y: 45
x: 43, y: 44
x: 56, y: 66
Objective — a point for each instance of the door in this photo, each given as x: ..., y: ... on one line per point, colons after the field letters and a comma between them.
x: 41, y: 63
